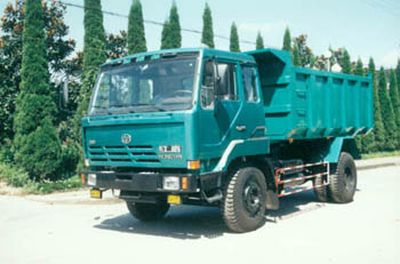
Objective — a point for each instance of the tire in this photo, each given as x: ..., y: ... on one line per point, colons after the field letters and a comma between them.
x: 146, y: 212
x: 321, y: 193
x: 244, y: 203
x: 343, y: 183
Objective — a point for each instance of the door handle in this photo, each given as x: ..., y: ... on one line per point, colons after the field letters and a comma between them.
x: 240, y: 128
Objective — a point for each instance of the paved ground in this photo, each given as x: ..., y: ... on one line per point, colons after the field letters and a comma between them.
x: 56, y: 229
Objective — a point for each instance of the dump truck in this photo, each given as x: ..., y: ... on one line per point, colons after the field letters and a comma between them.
x: 213, y: 128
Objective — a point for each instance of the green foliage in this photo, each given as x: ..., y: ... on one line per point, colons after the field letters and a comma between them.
x: 39, y: 152
x: 58, y: 49
x: 387, y: 112
x: 13, y: 176
x: 37, y: 147
x: 47, y: 187
x: 207, y: 36
x: 296, y: 56
x: 171, y: 33
x: 378, y: 143
x: 94, y: 55
x: 259, y: 41
x: 234, y: 39
x: 395, y: 99
x: 136, y: 35
x: 359, y: 69
x: 116, y: 45
x: 287, y: 40
x: 346, y: 62
x: 302, y: 54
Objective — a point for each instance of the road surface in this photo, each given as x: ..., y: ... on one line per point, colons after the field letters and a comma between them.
x: 47, y: 230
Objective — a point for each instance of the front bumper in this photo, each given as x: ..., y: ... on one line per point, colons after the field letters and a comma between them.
x: 141, y: 182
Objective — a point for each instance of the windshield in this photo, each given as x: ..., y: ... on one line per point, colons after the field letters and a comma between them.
x: 149, y: 86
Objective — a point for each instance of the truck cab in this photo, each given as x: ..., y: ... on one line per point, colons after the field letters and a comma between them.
x: 190, y: 126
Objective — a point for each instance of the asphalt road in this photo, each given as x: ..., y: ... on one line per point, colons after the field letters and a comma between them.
x: 54, y: 231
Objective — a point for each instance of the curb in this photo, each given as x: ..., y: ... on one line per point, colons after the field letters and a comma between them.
x: 377, y: 163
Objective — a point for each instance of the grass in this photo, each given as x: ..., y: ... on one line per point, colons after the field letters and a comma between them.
x: 380, y: 154
x: 18, y: 178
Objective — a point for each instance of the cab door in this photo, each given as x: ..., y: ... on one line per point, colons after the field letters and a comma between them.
x: 221, y: 105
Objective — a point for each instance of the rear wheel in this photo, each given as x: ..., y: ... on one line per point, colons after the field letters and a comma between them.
x: 244, y: 202
x: 148, y: 212
x: 320, y: 190
x: 343, y: 183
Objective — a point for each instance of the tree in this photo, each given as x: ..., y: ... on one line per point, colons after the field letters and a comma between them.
x: 346, y: 62
x: 58, y: 50
x: 302, y: 54
x: 359, y: 69
x: 296, y: 56
x: 171, y: 34
x: 395, y: 98
x: 207, y: 36
x: 287, y: 40
x: 387, y: 112
x: 259, y: 41
x: 38, y: 149
x: 377, y: 138
x: 234, y: 39
x: 94, y: 54
x: 116, y: 45
x: 136, y: 35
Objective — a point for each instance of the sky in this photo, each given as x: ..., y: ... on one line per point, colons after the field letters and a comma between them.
x: 365, y: 27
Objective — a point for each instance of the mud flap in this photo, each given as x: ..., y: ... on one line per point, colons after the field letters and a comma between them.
x: 272, y: 200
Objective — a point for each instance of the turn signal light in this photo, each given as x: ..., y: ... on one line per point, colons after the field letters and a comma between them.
x: 184, y: 183
x: 193, y: 164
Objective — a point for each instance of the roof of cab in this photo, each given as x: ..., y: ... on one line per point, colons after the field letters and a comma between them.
x: 206, y: 53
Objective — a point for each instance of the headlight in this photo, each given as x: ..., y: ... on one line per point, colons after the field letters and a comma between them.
x: 171, y: 183
x: 92, y: 178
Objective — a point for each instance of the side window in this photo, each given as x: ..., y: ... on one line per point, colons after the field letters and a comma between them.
x: 226, y: 88
x: 207, y: 95
x: 249, y: 81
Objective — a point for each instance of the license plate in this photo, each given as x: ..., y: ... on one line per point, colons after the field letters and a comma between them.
x: 96, y: 194
x: 174, y: 199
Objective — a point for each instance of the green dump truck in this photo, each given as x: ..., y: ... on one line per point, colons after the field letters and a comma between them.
x: 215, y: 128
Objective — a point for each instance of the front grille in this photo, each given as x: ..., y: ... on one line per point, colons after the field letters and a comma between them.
x: 135, y: 154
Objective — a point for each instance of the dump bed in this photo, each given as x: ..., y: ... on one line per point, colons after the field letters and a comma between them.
x: 302, y: 103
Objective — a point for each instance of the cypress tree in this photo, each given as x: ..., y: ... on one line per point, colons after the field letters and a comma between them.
x: 379, y: 131
x: 346, y: 62
x: 37, y: 146
x: 296, y: 55
x: 398, y: 75
x: 94, y: 54
x: 387, y: 112
x: 136, y: 35
x: 171, y: 34
x: 287, y: 40
x: 395, y: 98
x: 359, y: 70
x: 207, y: 36
x: 234, y: 39
x: 259, y: 41
x: 164, y: 35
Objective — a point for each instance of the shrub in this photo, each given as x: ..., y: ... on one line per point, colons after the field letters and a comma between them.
x: 14, y: 176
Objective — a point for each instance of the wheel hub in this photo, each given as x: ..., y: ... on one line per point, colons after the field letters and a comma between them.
x: 252, y: 197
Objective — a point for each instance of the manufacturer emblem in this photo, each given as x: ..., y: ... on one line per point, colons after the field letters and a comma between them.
x: 126, y: 138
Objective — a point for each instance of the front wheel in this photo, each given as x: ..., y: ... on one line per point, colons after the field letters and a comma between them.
x: 244, y: 202
x: 148, y: 212
x: 343, y: 183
